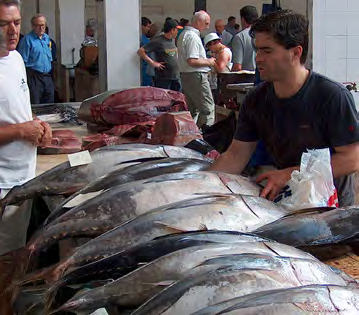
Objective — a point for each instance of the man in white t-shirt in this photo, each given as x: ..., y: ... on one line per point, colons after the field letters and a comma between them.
x: 194, y: 67
x: 19, y: 133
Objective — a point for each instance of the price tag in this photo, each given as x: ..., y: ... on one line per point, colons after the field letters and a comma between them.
x: 80, y: 158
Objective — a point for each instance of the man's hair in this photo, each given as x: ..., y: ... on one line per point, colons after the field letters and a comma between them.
x: 9, y: 3
x: 183, y: 22
x: 145, y: 21
x: 231, y: 18
x: 199, y: 16
x: 37, y: 16
x: 249, y: 13
x: 289, y: 29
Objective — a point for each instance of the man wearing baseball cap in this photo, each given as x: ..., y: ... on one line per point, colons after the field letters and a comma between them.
x: 166, y: 57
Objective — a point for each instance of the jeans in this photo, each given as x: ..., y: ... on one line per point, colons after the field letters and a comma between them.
x: 174, y: 85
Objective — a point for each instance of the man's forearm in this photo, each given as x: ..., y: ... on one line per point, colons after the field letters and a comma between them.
x: 141, y: 52
x: 9, y: 134
x: 344, y: 165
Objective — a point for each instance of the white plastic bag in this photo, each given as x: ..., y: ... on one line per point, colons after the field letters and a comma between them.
x: 313, y: 185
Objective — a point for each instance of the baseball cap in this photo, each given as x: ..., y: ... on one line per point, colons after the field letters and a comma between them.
x: 211, y: 36
x: 170, y: 24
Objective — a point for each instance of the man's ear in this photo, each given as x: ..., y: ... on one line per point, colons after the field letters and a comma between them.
x: 297, y: 52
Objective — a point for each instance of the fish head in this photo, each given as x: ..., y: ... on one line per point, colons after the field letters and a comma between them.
x: 87, y: 301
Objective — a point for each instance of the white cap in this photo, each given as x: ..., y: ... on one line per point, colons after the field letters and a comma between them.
x: 211, y: 36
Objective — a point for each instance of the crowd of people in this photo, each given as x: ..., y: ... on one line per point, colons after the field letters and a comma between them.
x: 179, y: 57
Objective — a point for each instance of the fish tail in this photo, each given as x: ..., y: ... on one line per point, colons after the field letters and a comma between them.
x: 50, y: 294
x: 43, y: 275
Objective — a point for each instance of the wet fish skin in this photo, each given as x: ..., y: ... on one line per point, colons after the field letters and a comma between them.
x: 138, y: 286
x: 314, y: 229
x: 210, y: 287
x: 220, y: 212
x: 125, y: 202
x: 132, y: 173
x: 294, y: 301
x: 64, y: 179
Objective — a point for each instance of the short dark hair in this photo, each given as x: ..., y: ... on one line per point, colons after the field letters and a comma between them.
x: 168, y: 18
x: 231, y: 18
x: 249, y: 13
x: 289, y: 29
x: 9, y: 3
x: 183, y: 22
x: 145, y: 21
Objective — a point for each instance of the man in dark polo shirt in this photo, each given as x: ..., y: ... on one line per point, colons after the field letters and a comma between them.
x: 294, y: 110
x: 166, y: 57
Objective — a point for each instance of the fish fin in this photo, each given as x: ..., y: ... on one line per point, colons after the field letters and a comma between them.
x: 309, y: 210
x: 202, y: 227
x: 171, y: 227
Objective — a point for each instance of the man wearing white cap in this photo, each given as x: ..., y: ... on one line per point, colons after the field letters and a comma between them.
x: 194, y: 68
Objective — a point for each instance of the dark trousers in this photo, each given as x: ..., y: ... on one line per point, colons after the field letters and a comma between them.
x: 174, y: 85
x: 41, y: 86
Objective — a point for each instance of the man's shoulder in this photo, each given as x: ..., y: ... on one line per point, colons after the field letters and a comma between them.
x: 259, y: 94
x: 324, y: 83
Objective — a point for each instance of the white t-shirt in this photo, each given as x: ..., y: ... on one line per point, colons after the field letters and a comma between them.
x: 190, y: 46
x: 18, y: 158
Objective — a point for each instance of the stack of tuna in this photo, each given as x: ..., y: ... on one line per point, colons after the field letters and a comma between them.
x: 168, y: 237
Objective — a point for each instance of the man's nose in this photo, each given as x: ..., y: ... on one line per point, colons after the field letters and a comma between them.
x: 11, y: 28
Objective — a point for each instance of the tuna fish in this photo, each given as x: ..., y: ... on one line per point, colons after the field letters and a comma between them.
x: 204, y: 289
x: 315, y: 229
x: 64, y: 179
x: 132, y: 173
x: 124, y: 202
x: 140, y: 285
x: 312, y: 299
x: 222, y: 212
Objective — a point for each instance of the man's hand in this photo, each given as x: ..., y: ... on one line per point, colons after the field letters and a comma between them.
x: 276, y: 181
x: 32, y: 131
x: 211, y: 61
x: 158, y: 65
x: 47, y: 137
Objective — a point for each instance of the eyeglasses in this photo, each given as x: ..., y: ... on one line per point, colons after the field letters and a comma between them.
x: 40, y: 25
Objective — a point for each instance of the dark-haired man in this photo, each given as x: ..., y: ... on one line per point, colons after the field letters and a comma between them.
x: 242, y: 47
x: 146, y: 23
x: 294, y: 110
x: 166, y: 57
x: 19, y: 133
x: 230, y: 25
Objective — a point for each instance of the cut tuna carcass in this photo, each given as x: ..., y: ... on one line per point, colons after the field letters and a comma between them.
x: 63, y: 142
x: 175, y: 129
x: 140, y: 104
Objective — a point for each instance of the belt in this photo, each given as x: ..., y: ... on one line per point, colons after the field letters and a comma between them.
x: 32, y: 71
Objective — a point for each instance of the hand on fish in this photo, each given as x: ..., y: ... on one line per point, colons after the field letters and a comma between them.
x: 47, y: 137
x: 276, y: 181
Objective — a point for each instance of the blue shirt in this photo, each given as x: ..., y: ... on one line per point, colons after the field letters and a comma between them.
x: 36, y: 52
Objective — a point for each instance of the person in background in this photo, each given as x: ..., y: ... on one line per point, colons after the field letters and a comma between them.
x: 221, y: 52
x: 237, y: 27
x: 152, y: 33
x: 146, y: 26
x: 194, y: 67
x: 222, y: 33
x: 242, y: 47
x: 183, y: 22
x: 294, y: 110
x: 36, y: 52
x: 19, y: 133
x: 230, y: 25
x: 53, y: 48
x: 166, y: 58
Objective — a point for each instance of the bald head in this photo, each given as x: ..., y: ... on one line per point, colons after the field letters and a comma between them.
x: 201, y: 20
x: 219, y: 26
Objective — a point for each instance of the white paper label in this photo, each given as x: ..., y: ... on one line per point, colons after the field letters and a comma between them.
x: 80, y: 158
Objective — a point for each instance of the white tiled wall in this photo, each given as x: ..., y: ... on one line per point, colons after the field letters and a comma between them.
x: 336, y: 39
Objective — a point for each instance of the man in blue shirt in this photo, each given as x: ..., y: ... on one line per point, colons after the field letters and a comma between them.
x: 35, y: 49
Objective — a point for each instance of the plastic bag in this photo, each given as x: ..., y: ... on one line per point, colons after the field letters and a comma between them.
x: 313, y: 185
